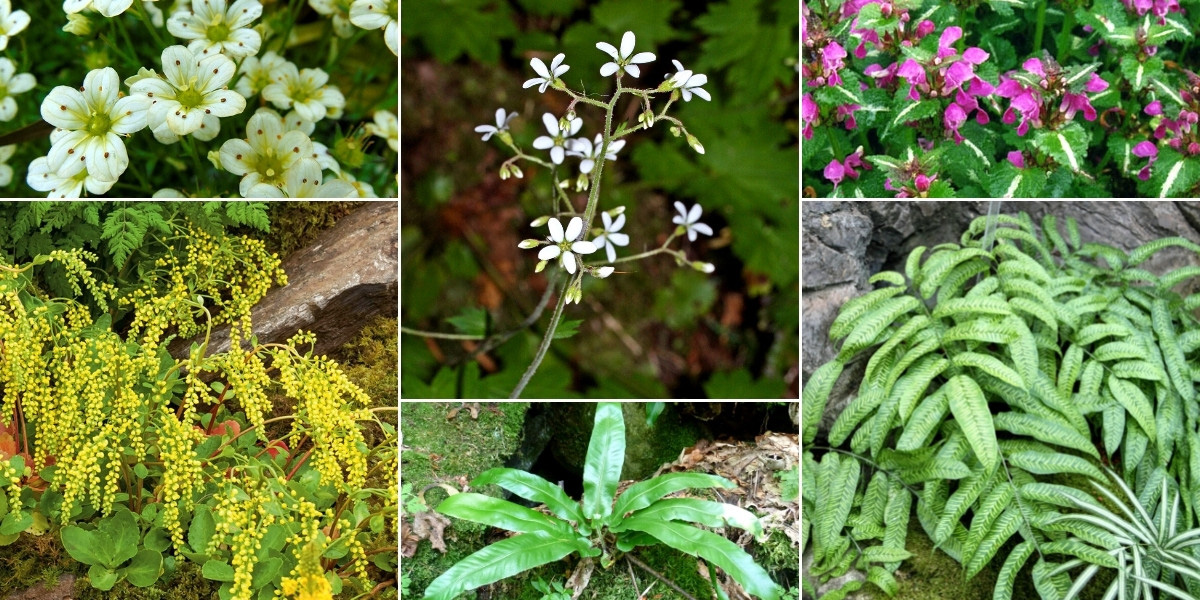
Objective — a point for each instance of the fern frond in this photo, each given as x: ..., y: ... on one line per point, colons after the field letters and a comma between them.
x: 1189, y: 341
x: 991, y: 543
x: 891, y: 277
x: 912, y: 266
x: 883, y: 579
x: 1137, y: 369
x: 935, y: 470
x: 1018, y: 265
x: 910, y: 327
x: 855, y: 308
x: 952, y: 286
x: 980, y: 330
x: 990, y: 365
x: 1173, y: 278
x: 960, y: 501
x: 1176, y: 362
x: 1098, y: 331
x: 968, y: 306
x: 871, y: 325
x: 1026, y: 238
x: 1087, y: 304
x: 1145, y: 251
x: 1134, y: 401
x: 986, y: 287
x: 913, y: 385
x: 1080, y: 550
x: 895, y: 519
x: 1043, y: 388
x: 1073, y: 232
x: 979, y: 224
x: 1139, y: 276
x: 1135, y: 315
x: 1114, y: 427
x: 882, y: 424
x: 1072, y: 367
x: 970, y: 409
x: 1113, y: 256
x: 815, y: 395
x: 854, y: 413
x: 1135, y: 445
x: 924, y: 421
x: 1050, y: 587
x: 1023, y: 349
x: 1050, y: 230
x: 124, y: 229
x: 1113, y: 351
x: 1008, y: 571
x: 1044, y: 430
x: 1046, y: 463
x: 924, y: 343
x: 1037, y: 311
x: 939, y: 265
x: 252, y: 214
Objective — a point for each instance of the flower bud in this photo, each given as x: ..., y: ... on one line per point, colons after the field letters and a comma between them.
x: 581, y: 183
x: 649, y: 115
x: 695, y: 144
x: 603, y: 272
x: 612, y: 213
x: 675, y: 131
x: 703, y: 267
x: 538, y: 222
x: 564, y: 184
x: 78, y: 24
x: 516, y: 171
x: 504, y: 174
x: 214, y: 157
x: 570, y: 116
x: 541, y: 265
x: 527, y: 244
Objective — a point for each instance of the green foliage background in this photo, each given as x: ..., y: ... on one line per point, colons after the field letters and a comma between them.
x: 462, y: 59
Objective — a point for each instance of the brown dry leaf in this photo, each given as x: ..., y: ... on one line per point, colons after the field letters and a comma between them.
x: 580, y: 577
x: 408, y: 540
x: 453, y: 413
x: 429, y: 525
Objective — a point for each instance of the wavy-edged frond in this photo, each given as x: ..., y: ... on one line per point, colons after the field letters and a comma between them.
x: 1072, y: 523
x: 988, y: 364
x: 1043, y: 387
x: 1095, y: 332
x: 939, y: 265
x: 891, y: 277
x: 924, y: 421
x: 953, y: 284
x: 1189, y: 341
x: 837, y: 480
x: 1192, y: 302
x: 1131, y: 397
x: 1122, y: 350
x: 1049, y: 584
x: 960, y: 501
x: 1045, y: 430
x: 1176, y: 362
x: 1173, y: 278
x: 869, y: 520
x: 1050, y: 230
x: 1113, y: 256
x: 1138, y: 369
x: 971, y: 306
x: 1035, y: 310
x: 1073, y: 233
x: 816, y: 394
x: 1087, y: 304
x: 986, y: 287
x: 1021, y: 399
x: 979, y: 224
x: 1046, y: 463
x: 1139, y: 255
x: 1169, y: 421
x: 936, y: 469
x: 914, y: 325
x: 1006, y: 526
x: 1135, y: 315
x: 1066, y: 284
x: 1135, y: 445
x: 1023, y: 349
x: 1092, y: 378
x: 883, y: 579
x: 855, y: 308
x: 912, y: 266
x: 1138, y: 277
x: 1028, y: 239
x: 868, y: 328
x: 895, y: 518
x: 970, y: 409
x: 912, y: 386
x: 1008, y: 571
x: 854, y: 413
x: 882, y: 424
x: 1080, y: 550
x: 981, y: 330
x: 1113, y: 426
x: 1069, y: 371
x: 923, y: 344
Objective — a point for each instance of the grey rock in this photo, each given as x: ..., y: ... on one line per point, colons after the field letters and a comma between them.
x: 63, y: 589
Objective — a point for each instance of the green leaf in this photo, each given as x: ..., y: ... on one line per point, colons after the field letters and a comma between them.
x: 451, y: 29
x: 814, y: 396
x: 1047, y: 463
x: 907, y: 111
x: 567, y: 328
x: 471, y: 321
x: 122, y: 529
x: 500, y: 513
x: 500, y: 560
x: 1008, y: 572
x: 216, y: 570
x: 87, y: 547
x: 532, y: 488
x: 1067, y: 145
x: 644, y: 493
x: 202, y: 528
x: 705, y: 512
x: 1134, y: 401
x: 1044, y: 430
x: 741, y: 384
x: 145, y: 569
x: 102, y: 578
x: 970, y: 409
x: 605, y: 457
x: 713, y: 548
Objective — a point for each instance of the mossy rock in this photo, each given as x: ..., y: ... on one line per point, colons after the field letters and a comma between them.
x: 646, y: 448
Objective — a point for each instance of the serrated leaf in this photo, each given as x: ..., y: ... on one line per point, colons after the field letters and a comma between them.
x: 970, y: 409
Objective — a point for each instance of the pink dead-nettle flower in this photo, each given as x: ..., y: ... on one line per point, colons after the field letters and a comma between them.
x: 1033, y: 95
x: 1145, y: 150
x: 825, y: 70
x: 947, y: 72
x: 903, y: 35
x: 845, y: 113
x: 1160, y: 8
x: 1017, y: 159
x: 810, y: 113
x: 834, y: 171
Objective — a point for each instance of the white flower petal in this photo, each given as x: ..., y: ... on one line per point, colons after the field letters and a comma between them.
x: 701, y: 93
x: 608, y: 69
x: 549, y: 252
x: 694, y: 214
x: 612, y: 254
x: 543, y: 142
x: 603, y: 272
x: 551, y: 123
x: 556, y: 229
x: 619, y: 239
x: 569, y: 262
x: 633, y: 70
x: 583, y: 247
x: 574, y: 228
x: 608, y: 49
x: 556, y: 155
x: 539, y: 67
x: 627, y: 42
x: 702, y: 228
x: 642, y: 57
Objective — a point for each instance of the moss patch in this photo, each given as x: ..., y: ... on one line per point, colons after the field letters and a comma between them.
x: 646, y: 448
x: 295, y: 224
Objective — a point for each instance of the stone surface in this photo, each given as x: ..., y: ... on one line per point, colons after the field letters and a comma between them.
x: 63, y: 589
x: 335, y: 285
x: 844, y: 243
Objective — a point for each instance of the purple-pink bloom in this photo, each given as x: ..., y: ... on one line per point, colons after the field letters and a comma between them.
x: 1017, y: 159
x: 1145, y: 149
x: 922, y: 181
x: 1034, y: 65
x: 846, y: 112
x: 913, y: 73
x: 954, y: 117
x: 949, y: 36
x: 1154, y: 108
x: 925, y: 28
x: 1076, y: 102
x: 809, y: 111
x: 853, y: 161
x: 834, y: 171
x: 1095, y: 84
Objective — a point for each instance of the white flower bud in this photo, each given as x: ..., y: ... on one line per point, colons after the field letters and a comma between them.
x: 603, y: 272
x: 527, y: 244
x: 675, y: 131
x: 581, y: 183
x: 78, y: 25
x: 516, y: 171
x: 703, y: 267
x: 541, y: 265
x: 695, y: 144
x: 570, y: 117
x: 538, y: 222
x: 612, y: 213
x: 504, y: 174
x: 649, y: 115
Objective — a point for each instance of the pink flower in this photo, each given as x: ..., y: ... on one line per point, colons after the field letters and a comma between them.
x: 922, y: 182
x: 835, y: 172
x: 1017, y: 159
x: 913, y: 73
x: 1145, y: 149
x: 954, y: 117
x: 1154, y: 108
x: 855, y: 160
x: 1076, y: 102
x: 809, y: 111
x: 831, y: 61
x: 846, y: 112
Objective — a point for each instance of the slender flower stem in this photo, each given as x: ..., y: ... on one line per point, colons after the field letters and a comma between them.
x: 1064, y: 36
x: 444, y: 336
x: 545, y: 345
x: 1041, y: 24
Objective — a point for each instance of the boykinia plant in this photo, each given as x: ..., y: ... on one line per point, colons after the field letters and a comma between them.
x: 993, y: 368
x: 598, y: 526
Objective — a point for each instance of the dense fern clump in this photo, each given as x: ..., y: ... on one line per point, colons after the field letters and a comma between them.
x: 991, y: 373
x: 127, y: 236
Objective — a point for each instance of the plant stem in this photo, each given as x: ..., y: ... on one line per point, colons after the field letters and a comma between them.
x: 445, y: 336
x: 1041, y: 24
x: 545, y: 345
x: 1064, y: 36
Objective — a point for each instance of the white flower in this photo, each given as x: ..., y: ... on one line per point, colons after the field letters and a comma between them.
x: 6, y: 172
x: 688, y: 219
x: 156, y: 14
x: 257, y: 73
x: 267, y: 153
x: 565, y: 244
x: 363, y: 188
x: 502, y: 119
x: 546, y: 75
x: 191, y: 95
x: 689, y: 83
x: 558, y: 139
x: 339, y: 12
x: 93, y: 116
x: 603, y: 272
x: 68, y: 181
x: 12, y: 83
x: 623, y: 61
x: 214, y: 26
x: 304, y: 181
x: 292, y: 121
x: 378, y: 14
x: 12, y: 22
x: 590, y: 152
x: 610, y: 235
x: 386, y: 127
x: 305, y: 89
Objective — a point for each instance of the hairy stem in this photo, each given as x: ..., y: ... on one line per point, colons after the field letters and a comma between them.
x: 545, y: 345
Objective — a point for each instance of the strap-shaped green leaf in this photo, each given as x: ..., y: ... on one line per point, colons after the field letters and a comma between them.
x: 644, y: 493
x: 1134, y: 401
x: 1008, y: 572
x: 532, y: 488
x: 1049, y: 463
x: 713, y: 548
x: 502, y: 559
x: 1045, y: 430
x: 816, y: 394
x: 605, y: 457
x: 704, y: 512
x: 500, y: 513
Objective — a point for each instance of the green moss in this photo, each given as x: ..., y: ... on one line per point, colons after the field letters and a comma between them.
x: 32, y: 561
x: 777, y: 554
x: 646, y: 448
x: 295, y: 224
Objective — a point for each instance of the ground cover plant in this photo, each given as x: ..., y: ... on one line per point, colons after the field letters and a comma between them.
x: 1001, y: 98
x: 198, y: 98
x: 1002, y: 373
x: 262, y: 469
x: 649, y: 156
